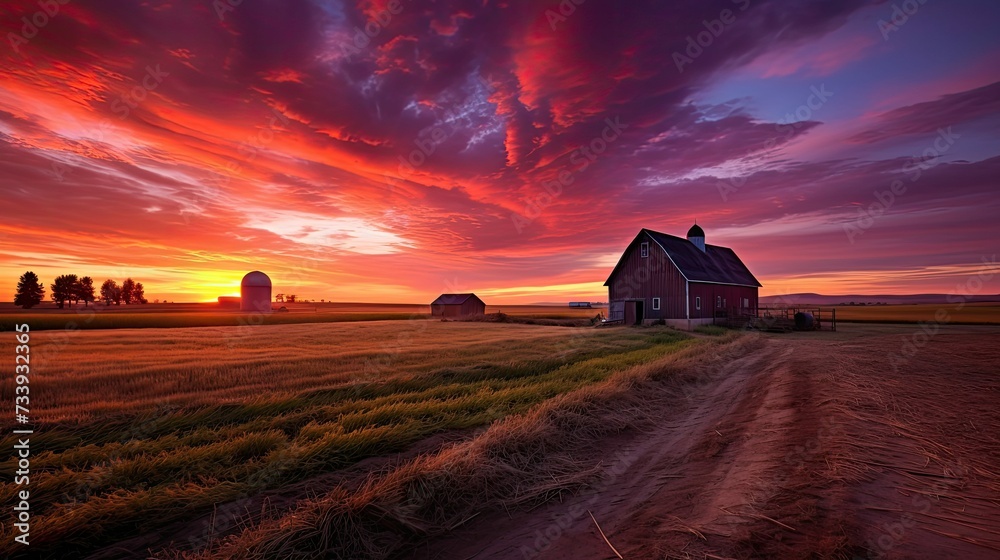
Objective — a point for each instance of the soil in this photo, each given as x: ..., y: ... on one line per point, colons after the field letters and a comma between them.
x: 873, y: 442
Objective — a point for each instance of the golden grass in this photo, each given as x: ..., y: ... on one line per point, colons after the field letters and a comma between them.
x: 141, y: 428
x: 971, y: 313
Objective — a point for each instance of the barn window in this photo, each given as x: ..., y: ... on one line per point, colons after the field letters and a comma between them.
x: 746, y: 303
x: 656, y: 303
x: 644, y: 249
x: 697, y: 303
x: 718, y: 301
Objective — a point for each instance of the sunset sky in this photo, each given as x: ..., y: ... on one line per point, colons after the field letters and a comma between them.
x: 185, y: 143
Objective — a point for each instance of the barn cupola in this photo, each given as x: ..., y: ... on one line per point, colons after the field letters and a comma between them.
x: 696, y: 235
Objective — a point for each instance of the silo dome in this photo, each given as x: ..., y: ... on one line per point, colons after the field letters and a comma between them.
x: 255, y: 293
x: 696, y: 235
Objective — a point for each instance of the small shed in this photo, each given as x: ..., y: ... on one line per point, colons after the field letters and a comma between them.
x: 457, y: 305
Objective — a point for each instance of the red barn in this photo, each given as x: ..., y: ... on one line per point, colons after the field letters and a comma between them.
x: 682, y: 281
x: 457, y: 305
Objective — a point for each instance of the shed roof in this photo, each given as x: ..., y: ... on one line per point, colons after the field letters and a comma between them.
x: 454, y: 299
x: 717, y: 264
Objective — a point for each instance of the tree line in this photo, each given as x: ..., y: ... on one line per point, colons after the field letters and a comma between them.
x: 70, y: 288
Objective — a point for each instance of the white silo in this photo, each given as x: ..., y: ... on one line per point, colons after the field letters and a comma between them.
x: 255, y: 292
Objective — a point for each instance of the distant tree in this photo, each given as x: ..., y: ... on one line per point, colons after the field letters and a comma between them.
x: 110, y: 292
x: 85, y: 290
x: 280, y: 298
x: 30, y: 291
x: 128, y: 291
x: 64, y: 289
x: 139, y: 293
x: 290, y: 298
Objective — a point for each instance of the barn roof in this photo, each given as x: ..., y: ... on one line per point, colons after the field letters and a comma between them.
x: 718, y: 265
x: 453, y: 299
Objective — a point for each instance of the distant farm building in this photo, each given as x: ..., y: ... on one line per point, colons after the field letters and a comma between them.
x: 585, y: 304
x: 684, y: 282
x: 255, y: 293
x: 457, y: 305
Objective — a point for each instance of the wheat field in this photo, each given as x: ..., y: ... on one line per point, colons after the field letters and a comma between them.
x: 139, y: 428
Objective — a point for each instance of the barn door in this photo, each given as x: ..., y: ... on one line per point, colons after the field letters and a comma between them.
x: 633, y: 312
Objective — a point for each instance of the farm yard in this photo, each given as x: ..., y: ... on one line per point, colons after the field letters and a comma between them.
x: 432, y: 439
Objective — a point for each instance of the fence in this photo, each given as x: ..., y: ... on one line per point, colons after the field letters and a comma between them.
x: 616, y: 311
x: 778, y: 318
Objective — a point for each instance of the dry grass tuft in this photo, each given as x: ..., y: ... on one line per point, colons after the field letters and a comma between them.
x: 548, y: 321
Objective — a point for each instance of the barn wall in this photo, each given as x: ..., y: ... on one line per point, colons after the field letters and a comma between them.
x: 440, y: 310
x: 473, y: 306
x: 710, y: 293
x: 646, y: 278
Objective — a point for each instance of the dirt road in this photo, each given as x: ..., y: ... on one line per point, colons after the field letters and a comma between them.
x: 877, y: 442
